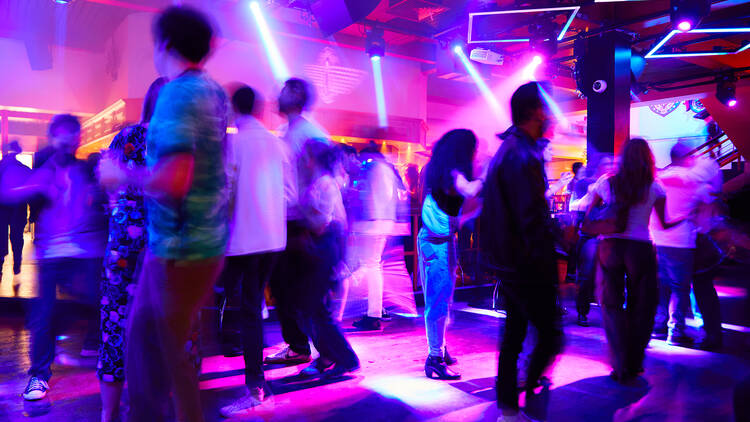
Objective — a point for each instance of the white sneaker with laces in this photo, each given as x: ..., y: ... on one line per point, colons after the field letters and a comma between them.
x: 287, y: 356
x: 245, y: 405
x: 36, y: 389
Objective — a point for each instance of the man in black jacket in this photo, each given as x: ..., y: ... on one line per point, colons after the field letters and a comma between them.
x: 517, y: 243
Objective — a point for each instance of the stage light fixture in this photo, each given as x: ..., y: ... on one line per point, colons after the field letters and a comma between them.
x: 543, y: 38
x: 529, y: 72
x: 479, y: 81
x: 278, y: 66
x: 375, y: 43
x: 726, y: 90
x: 63, y: 2
x: 687, y: 14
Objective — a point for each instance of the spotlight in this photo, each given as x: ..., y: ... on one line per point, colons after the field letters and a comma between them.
x: 529, y: 72
x: 687, y: 14
x: 374, y: 43
x: 276, y: 60
x: 537, y: 60
x: 377, y: 76
x: 63, y: 1
x: 543, y: 38
x: 479, y: 81
x: 726, y: 90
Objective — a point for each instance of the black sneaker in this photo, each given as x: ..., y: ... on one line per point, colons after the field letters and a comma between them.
x: 386, y: 316
x: 583, y: 320
x: 682, y: 340
x: 659, y: 333
x: 368, y: 324
x: 339, y: 371
x: 316, y: 368
x: 36, y: 389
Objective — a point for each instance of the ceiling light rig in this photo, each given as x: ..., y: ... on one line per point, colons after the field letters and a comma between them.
x: 543, y: 38
x: 726, y: 89
x: 375, y: 43
x: 687, y: 14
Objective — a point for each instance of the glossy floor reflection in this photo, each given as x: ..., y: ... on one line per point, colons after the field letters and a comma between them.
x: 679, y: 384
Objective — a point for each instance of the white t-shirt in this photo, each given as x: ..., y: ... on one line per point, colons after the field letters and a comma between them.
x: 638, y: 215
x: 295, y: 136
x: 255, y: 160
x: 685, y: 193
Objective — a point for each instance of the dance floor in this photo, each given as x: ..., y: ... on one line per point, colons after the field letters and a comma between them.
x: 679, y: 384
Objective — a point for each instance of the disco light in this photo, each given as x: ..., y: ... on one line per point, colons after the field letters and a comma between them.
x: 726, y: 90
x: 374, y: 43
x: 529, y: 72
x: 654, y: 54
x: 63, y: 1
x: 481, y: 84
x: 377, y: 76
x: 278, y: 66
x: 553, y: 107
x: 687, y: 14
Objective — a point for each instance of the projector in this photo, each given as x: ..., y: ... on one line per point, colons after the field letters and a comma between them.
x: 482, y: 55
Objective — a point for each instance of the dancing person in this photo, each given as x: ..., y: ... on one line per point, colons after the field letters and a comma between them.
x: 187, y: 207
x: 13, y: 216
x: 376, y: 189
x: 69, y: 244
x: 320, y: 251
x: 587, y: 244
x: 127, y: 241
x: 450, y: 202
x: 627, y: 260
x: 518, y: 245
x: 255, y: 161
x: 296, y: 97
x: 565, y: 178
x: 675, y: 247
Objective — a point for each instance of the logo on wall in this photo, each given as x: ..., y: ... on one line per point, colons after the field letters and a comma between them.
x: 330, y: 79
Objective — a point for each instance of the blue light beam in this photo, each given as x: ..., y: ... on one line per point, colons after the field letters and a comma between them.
x: 483, y: 88
x: 278, y: 66
x: 377, y: 75
x: 553, y: 107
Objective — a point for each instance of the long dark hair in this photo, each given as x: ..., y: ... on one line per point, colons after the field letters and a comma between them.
x: 635, y: 175
x: 454, y: 151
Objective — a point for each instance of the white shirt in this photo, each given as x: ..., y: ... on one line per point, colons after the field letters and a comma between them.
x: 295, y: 136
x: 638, y: 215
x: 685, y: 192
x: 255, y: 160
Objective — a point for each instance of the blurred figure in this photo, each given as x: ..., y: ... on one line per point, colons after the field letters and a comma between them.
x: 450, y: 202
x: 12, y: 215
x: 518, y: 243
x: 257, y: 233
x: 412, y: 183
x: 296, y: 97
x: 69, y: 244
x: 127, y: 241
x: 587, y: 244
x: 675, y: 248
x: 565, y: 178
x: 187, y: 206
x: 371, y: 228
x: 320, y: 250
x: 627, y: 258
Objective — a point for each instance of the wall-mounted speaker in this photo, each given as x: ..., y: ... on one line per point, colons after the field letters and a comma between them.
x: 334, y: 15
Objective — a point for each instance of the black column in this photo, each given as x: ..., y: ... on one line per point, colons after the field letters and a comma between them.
x: 606, y: 58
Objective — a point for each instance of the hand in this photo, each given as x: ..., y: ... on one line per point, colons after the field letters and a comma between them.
x: 566, y: 177
x: 110, y: 173
x: 470, y: 210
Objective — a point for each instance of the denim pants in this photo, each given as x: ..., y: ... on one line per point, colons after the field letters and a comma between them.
x: 675, y: 276
x: 437, y: 266
x: 627, y: 265
x: 78, y: 276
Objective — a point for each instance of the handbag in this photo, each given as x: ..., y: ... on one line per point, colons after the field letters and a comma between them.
x: 606, y: 218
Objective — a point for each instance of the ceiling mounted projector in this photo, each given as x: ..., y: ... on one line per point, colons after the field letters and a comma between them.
x: 483, y: 55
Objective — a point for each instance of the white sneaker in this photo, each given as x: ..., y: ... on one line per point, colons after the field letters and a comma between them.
x: 36, y: 389
x: 286, y: 356
x: 244, y: 406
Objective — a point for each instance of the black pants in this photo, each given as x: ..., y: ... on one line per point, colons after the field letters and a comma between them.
x: 585, y: 273
x: 250, y: 273
x: 627, y: 264
x: 12, y: 221
x: 707, y: 259
x: 284, y: 281
x: 318, y: 255
x: 527, y: 303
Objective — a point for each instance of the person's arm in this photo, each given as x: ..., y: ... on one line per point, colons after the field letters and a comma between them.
x: 463, y: 186
x: 565, y: 178
x: 661, y: 212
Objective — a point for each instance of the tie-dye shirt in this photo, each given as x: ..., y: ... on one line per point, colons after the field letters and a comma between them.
x: 190, y: 117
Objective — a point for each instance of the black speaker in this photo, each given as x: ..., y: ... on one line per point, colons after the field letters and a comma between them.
x: 40, y: 56
x: 334, y: 15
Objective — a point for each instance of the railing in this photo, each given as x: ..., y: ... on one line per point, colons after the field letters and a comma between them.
x: 721, y: 147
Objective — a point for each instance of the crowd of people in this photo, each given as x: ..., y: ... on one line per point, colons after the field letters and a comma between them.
x: 176, y: 209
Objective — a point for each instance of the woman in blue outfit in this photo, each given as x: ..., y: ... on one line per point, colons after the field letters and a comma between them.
x: 451, y: 200
x: 127, y: 239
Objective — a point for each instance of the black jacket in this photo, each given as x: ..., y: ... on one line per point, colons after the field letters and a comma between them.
x: 516, y: 230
